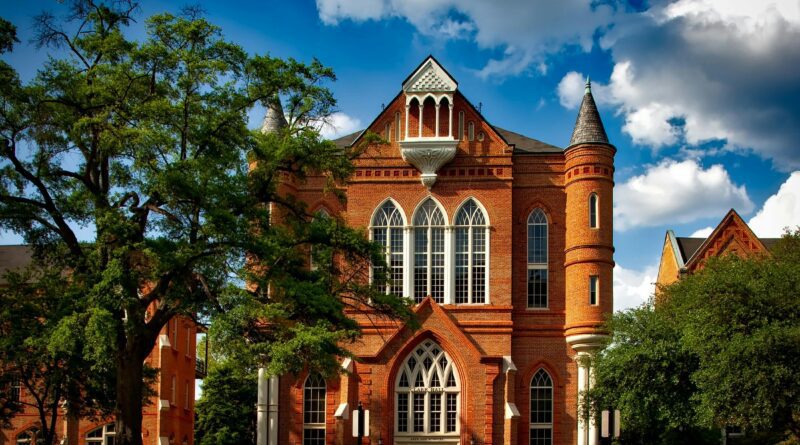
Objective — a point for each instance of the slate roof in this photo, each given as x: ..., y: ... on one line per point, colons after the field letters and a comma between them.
x: 688, y: 246
x: 588, y: 126
x: 521, y: 143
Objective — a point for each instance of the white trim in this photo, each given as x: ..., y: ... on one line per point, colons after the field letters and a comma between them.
x: 433, y: 71
x: 470, y: 245
x: 342, y: 411
x: 429, y: 262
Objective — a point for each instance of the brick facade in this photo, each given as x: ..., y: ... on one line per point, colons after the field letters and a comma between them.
x: 496, y: 347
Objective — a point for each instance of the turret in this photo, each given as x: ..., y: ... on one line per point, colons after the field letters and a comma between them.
x: 589, y: 247
x: 274, y: 119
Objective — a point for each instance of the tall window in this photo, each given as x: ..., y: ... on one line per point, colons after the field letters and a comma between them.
x: 541, y: 421
x: 103, y: 435
x: 30, y: 436
x: 460, y: 125
x: 470, y: 261
x: 429, y: 252
x: 314, y: 410
x: 387, y: 230
x: 397, y: 126
x: 593, y: 289
x: 471, y: 131
x: 387, y: 132
x: 593, y: 211
x: 537, y: 259
x: 426, y: 393
x: 15, y: 388
x: 173, y: 391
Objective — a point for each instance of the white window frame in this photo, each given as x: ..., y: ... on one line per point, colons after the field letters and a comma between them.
x: 388, y: 237
x: 316, y: 425
x: 539, y: 425
x: 446, y: 240
x: 471, y: 228
x: 540, y: 265
x: 397, y: 126
x: 107, y: 430
x: 429, y: 348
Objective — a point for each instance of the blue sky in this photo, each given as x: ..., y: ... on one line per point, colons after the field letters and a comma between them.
x: 700, y: 97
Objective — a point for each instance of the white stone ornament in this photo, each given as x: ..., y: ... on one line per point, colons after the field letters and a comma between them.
x: 428, y: 156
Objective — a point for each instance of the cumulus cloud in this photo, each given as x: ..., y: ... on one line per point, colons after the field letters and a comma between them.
x: 525, y: 30
x: 677, y: 192
x: 339, y: 124
x: 633, y: 287
x: 702, y: 233
x: 780, y: 211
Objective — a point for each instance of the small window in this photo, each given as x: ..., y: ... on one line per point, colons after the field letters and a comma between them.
x: 593, y: 288
x: 186, y: 395
x: 188, y: 341
x: 593, y: 211
x: 397, y: 126
x: 471, y: 135
x: 387, y: 132
x: 173, y: 390
x: 481, y: 136
x: 103, y: 435
x: 175, y: 333
x: 460, y: 125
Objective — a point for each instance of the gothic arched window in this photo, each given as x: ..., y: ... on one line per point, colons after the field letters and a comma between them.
x: 314, y: 410
x: 471, y: 235
x: 541, y: 415
x: 427, y: 391
x: 387, y: 230
x: 537, y: 259
x: 103, y: 435
x: 429, y: 252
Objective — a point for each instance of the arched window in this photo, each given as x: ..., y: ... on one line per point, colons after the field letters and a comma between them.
x: 30, y: 436
x: 427, y: 390
x: 541, y: 421
x: 103, y: 435
x: 387, y: 230
x: 429, y: 252
x: 537, y: 259
x: 314, y: 410
x: 397, y: 126
x: 470, y: 247
x: 593, y: 211
x: 471, y: 131
x: 460, y: 125
x: 387, y: 131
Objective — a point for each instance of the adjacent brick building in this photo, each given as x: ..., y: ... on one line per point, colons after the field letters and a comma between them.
x: 168, y: 418
x: 505, y: 243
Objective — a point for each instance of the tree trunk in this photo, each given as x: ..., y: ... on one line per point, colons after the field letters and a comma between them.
x: 128, y: 410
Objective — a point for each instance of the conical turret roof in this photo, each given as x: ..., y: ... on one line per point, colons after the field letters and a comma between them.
x: 588, y: 126
x: 274, y: 119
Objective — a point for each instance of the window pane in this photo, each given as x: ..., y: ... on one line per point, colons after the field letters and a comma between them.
x: 420, y: 264
x: 462, y: 265
x: 402, y: 412
x: 419, y: 412
x: 436, y: 412
x: 593, y: 280
x: 451, y: 412
x: 541, y: 436
x: 537, y: 288
x: 313, y: 436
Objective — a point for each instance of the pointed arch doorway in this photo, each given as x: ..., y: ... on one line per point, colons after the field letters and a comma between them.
x: 427, y: 397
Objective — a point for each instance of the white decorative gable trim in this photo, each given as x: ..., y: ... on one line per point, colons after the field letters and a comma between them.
x: 430, y: 76
x: 428, y: 156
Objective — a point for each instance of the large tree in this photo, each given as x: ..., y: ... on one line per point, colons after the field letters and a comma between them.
x: 721, y: 348
x: 146, y: 144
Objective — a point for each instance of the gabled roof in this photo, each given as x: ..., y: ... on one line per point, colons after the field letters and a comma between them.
x: 432, y: 73
x: 523, y: 144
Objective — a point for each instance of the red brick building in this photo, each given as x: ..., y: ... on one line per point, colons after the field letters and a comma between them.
x: 505, y: 244
x: 168, y: 419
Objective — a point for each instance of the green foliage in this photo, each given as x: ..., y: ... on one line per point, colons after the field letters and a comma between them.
x: 225, y: 411
x: 722, y: 347
x: 146, y: 143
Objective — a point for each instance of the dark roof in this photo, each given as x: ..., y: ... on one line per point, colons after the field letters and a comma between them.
x: 522, y: 144
x: 588, y: 125
x: 688, y: 246
x: 13, y: 258
x: 347, y: 140
x: 525, y: 144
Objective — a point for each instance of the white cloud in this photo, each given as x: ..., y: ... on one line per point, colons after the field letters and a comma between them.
x: 702, y: 233
x: 339, y: 124
x: 650, y: 125
x: 633, y: 287
x: 673, y: 192
x: 526, y: 30
x: 780, y: 211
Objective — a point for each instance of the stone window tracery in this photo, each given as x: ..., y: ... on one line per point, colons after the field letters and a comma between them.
x: 471, y: 235
x: 429, y: 252
x: 314, y: 391
x: 541, y: 409
x: 387, y: 230
x: 427, y: 392
x: 104, y: 435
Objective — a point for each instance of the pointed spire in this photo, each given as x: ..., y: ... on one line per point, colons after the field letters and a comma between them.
x: 274, y: 119
x: 588, y: 125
